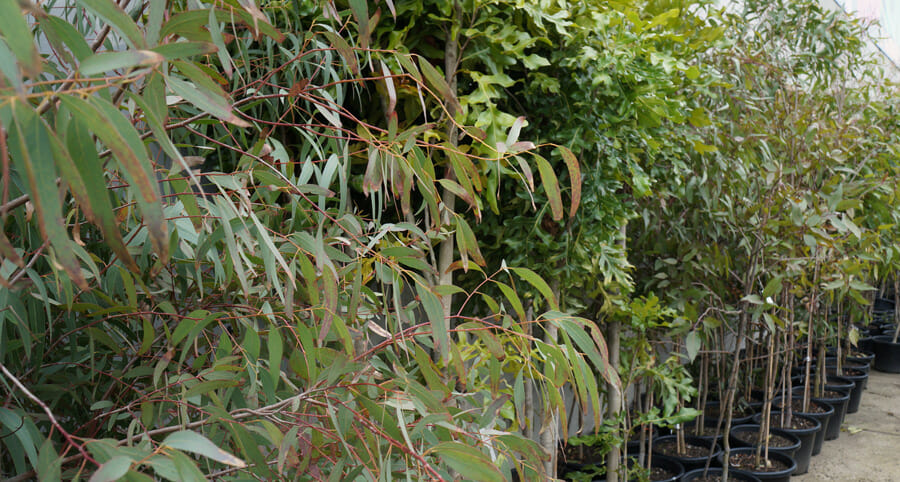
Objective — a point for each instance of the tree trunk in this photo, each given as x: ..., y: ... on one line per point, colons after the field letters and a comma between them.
x: 613, y: 397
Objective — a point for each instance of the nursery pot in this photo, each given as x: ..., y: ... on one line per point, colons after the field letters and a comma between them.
x: 839, y: 402
x: 788, y: 443
x: 781, y: 474
x: 709, y: 425
x: 867, y: 343
x: 701, y: 450
x: 824, y: 414
x: 858, y: 378
x: 712, y: 412
x: 887, y: 354
x: 714, y: 472
x: 670, y: 465
x: 863, y: 356
x: 807, y: 436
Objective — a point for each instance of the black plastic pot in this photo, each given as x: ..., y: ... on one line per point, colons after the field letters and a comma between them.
x: 858, y: 378
x: 733, y: 474
x: 779, y: 476
x: 709, y: 423
x: 667, y: 463
x: 833, y: 429
x: 690, y: 463
x: 883, y: 304
x: 867, y: 343
x: 789, y: 450
x: 712, y: 412
x: 887, y: 354
x: 823, y: 418
x: 807, y: 437
x: 866, y: 356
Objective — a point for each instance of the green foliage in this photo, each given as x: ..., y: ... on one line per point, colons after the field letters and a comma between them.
x: 216, y: 262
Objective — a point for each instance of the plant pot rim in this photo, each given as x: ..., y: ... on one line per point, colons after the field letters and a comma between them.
x: 795, y: 440
x: 739, y: 474
x: 792, y: 464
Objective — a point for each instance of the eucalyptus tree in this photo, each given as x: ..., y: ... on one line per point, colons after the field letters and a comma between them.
x: 778, y: 206
x: 289, y: 322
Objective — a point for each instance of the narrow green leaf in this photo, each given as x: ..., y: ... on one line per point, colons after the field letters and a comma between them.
x: 439, y: 84
x: 16, y: 32
x: 513, y: 299
x: 114, y: 469
x: 434, y: 310
x: 361, y: 15
x: 215, y: 32
x: 186, y: 467
x: 275, y: 347
x: 9, y: 67
x: 119, y: 135
x: 115, y: 16
x: 10, y: 420
x: 343, y: 48
x: 535, y: 280
x: 692, y: 344
x: 82, y: 152
x: 182, y: 50
x: 470, y: 462
x: 206, y: 101
x: 195, y: 443
x: 49, y: 463
x: 551, y: 187
x: 31, y: 151
x: 154, y: 21
x: 109, y: 61
x: 66, y: 33
x: 207, y: 386
x: 458, y: 190
x: 149, y: 334
x: 574, y: 178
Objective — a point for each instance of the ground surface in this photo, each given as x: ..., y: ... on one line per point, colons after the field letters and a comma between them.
x: 868, y: 449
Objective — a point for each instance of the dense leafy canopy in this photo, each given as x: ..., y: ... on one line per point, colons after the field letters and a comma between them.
x: 377, y: 239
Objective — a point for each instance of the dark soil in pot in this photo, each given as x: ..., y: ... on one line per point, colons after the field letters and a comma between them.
x: 861, y: 356
x: 714, y: 474
x: 779, y: 440
x: 709, y: 431
x: 837, y: 399
x: 859, y: 378
x: 663, y: 469
x: 820, y: 411
x: 697, y: 450
x: 887, y: 354
x: 805, y: 429
x: 743, y: 412
x: 777, y: 468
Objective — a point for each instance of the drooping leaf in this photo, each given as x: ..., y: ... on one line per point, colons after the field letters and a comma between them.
x: 30, y: 149
x: 470, y: 462
x: 112, y: 14
x: 15, y: 31
x: 435, y: 312
x: 190, y: 441
x: 535, y: 280
x: 574, y: 178
x: 551, y: 187
x: 111, y: 61
x: 112, y: 470
x: 98, y: 207
x: 119, y: 135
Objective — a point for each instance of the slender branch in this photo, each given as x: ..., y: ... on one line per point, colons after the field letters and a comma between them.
x: 46, y: 410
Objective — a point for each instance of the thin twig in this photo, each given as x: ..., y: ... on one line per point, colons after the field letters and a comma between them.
x: 49, y: 413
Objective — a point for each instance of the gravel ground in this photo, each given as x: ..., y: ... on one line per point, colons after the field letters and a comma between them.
x: 868, y: 449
